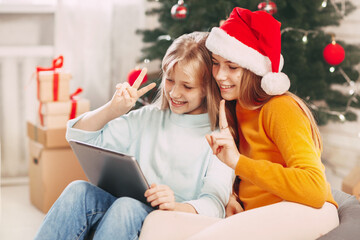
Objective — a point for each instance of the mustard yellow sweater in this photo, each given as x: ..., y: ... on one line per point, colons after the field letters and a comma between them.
x: 279, y: 160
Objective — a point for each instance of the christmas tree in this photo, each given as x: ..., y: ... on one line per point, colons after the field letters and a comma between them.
x: 303, y: 41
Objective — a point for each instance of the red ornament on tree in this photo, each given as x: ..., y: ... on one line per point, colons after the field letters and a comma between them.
x: 268, y: 6
x: 179, y: 10
x: 334, y: 53
x: 133, y: 75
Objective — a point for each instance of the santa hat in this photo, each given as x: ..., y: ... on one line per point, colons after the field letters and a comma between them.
x: 253, y: 41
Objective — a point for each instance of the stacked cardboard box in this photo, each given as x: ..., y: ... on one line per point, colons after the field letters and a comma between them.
x: 351, y: 183
x: 52, y: 163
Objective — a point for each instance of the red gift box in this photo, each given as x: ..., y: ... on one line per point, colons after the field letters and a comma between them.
x: 56, y: 114
x: 52, y: 83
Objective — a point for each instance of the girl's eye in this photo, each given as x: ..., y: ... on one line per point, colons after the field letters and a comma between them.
x: 187, y: 87
x: 215, y: 63
x: 233, y: 68
x: 169, y: 80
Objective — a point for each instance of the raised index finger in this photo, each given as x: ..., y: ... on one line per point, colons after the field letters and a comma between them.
x: 223, y: 124
x: 140, y: 78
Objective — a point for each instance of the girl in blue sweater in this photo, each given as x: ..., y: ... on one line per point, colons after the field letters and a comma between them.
x: 168, y: 140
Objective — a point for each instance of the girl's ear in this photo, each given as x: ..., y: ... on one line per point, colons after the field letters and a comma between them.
x: 204, y: 91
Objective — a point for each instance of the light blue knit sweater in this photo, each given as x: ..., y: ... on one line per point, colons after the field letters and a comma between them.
x: 172, y: 150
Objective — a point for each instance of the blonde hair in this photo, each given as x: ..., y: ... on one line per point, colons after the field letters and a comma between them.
x: 252, y: 96
x: 190, y: 52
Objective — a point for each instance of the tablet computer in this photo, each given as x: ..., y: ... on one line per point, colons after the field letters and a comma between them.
x: 115, y: 172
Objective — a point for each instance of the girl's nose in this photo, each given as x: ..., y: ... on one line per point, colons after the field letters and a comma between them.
x: 175, y: 92
x: 220, y: 74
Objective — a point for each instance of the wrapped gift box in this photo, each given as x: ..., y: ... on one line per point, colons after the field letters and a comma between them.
x: 53, y: 86
x: 49, y: 138
x: 351, y: 183
x: 50, y: 171
x: 56, y: 114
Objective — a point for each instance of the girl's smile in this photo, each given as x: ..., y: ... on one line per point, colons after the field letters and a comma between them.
x: 177, y: 103
x: 224, y: 87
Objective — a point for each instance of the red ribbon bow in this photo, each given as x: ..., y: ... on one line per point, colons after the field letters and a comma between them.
x: 57, y: 63
x: 74, y: 103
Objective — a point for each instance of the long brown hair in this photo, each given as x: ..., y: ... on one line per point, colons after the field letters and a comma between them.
x: 190, y: 52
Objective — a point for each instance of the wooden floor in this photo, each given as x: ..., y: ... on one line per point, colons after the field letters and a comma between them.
x: 19, y: 219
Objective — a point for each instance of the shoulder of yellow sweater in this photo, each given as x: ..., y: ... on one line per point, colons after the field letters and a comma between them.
x: 283, y: 104
x: 282, y: 101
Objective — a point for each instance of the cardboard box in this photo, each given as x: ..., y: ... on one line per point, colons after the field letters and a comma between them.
x: 49, y: 138
x: 356, y: 191
x: 351, y: 183
x: 50, y: 171
x: 46, y: 86
x: 55, y: 121
x: 56, y: 114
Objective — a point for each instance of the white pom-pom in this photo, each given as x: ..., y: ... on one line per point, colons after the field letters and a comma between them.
x: 275, y: 83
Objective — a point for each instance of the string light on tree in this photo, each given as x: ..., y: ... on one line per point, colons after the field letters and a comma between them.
x: 179, y: 10
x: 164, y: 37
x: 304, y: 38
x: 342, y: 117
x: 303, y: 31
x: 335, y: 4
x: 354, y: 93
x: 324, y: 4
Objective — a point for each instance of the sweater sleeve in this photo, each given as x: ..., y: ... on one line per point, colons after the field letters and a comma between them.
x: 302, y: 179
x: 116, y: 135
x: 216, y: 190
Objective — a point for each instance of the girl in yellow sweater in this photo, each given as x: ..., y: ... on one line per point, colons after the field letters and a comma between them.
x: 271, y: 139
x: 268, y: 136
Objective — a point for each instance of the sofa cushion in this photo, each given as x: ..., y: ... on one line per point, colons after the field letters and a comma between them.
x: 349, y: 217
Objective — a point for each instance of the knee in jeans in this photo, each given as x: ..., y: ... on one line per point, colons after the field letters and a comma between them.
x: 75, y: 189
x: 126, y: 203
x: 123, y: 208
x: 78, y: 185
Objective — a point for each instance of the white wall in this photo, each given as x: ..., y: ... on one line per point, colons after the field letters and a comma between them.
x: 26, y: 41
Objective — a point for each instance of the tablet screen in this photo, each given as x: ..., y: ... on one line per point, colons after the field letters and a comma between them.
x: 115, y: 172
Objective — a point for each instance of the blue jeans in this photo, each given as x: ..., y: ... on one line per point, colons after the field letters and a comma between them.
x: 83, y: 208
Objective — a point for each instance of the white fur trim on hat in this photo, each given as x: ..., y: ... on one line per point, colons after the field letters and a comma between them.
x: 228, y: 47
x: 275, y: 83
